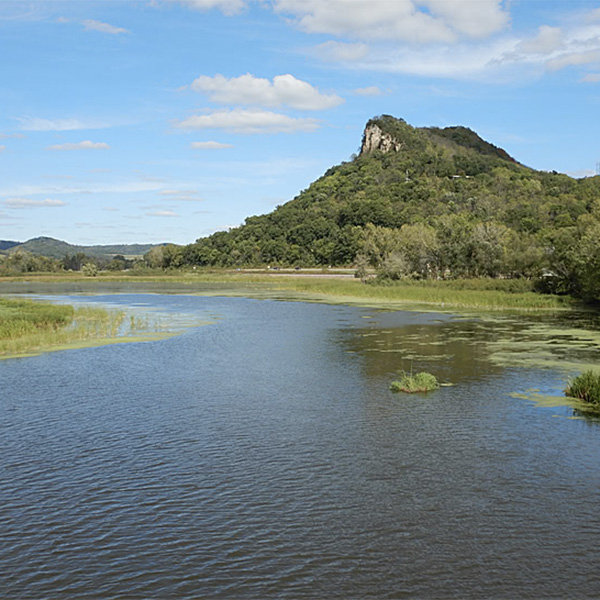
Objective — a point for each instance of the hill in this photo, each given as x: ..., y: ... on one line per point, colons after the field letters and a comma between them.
x: 427, y: 202
x: 53, y: 248
x: 6, y: 244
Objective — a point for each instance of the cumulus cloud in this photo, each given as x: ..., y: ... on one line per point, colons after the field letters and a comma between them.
x: 91, y: 25
x: 29, y: 203
x: 85, y: 145
x: 209, y: 146
x: 416, y: 21
x: 248, y: 122
x: 284, y: 90
x: 227, y: 7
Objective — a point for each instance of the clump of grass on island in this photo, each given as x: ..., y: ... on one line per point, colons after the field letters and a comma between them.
x: 586, y: 387
x: 419, y: 382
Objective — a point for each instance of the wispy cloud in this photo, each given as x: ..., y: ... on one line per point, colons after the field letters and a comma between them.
x: 70, y: 124
x: 162, y: 213
x: 248, y: 122
x: 91, y: 25
x: 283, y: 90
x: 85, y: 145
x: 209, y: 145
x: 175, y: 195
x: 227, y: 7
x: 30, y: 203
x: 591, y: 78
x: 368, y: 91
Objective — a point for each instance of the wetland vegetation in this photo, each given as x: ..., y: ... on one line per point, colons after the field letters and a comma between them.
x: 29, y: 327
x: 586, y: 387
x: 419, y: 382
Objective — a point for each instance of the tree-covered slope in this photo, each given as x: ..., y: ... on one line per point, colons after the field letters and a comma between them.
x: 434, y: 202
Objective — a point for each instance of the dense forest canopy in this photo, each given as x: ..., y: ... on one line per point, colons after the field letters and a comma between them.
x: 429, y: 202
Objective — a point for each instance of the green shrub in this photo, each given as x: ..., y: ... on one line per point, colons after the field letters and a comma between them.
x: 420, y: 382
x: 586, y: 387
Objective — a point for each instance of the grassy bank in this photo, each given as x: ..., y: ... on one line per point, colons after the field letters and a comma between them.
x: 485, y: 294
x: 28, y: 327
x: 441, y: 294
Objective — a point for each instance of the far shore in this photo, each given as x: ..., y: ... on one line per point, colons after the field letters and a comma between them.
x: 322, y: 285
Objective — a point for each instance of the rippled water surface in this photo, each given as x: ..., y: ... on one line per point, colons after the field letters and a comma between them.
x: 263, y: 456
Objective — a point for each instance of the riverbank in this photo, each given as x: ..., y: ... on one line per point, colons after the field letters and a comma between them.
x: 335, y: 286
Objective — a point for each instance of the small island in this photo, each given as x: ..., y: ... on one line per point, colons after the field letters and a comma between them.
x: 419, y: 382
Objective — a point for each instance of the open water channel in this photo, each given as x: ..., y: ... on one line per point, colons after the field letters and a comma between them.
x: 263, y: 456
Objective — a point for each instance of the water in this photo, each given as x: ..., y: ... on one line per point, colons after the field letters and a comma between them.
x: 263, y: 456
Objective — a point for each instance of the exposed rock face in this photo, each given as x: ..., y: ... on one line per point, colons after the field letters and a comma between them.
x: 375, y: 139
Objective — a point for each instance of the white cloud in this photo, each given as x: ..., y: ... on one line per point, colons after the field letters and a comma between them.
x: 227, y: 7
x: 415, y: 21
x: 4, y: 136
x: 500, y: 59
x: 248, y: 122
x: 284, y: 90
x: 162, y: 213
x: 547, y: 40
x: 209, y: 145
x: 91, y: 25
x: 368, y: 91
x: 86, y: 145
x: 2, y: 148
x: 29, y: 203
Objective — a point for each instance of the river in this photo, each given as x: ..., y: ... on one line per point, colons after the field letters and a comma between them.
x: 263, y: 456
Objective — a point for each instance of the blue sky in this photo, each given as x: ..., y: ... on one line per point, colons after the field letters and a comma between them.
x: 144, y: 121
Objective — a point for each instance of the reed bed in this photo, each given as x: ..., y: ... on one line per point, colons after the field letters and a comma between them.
x: 28, y: 327
x: 440, y: 294
x: 586, y: 387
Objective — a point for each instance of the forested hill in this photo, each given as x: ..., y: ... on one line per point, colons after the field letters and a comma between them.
x: 427, y: 202
x: 53, y: 248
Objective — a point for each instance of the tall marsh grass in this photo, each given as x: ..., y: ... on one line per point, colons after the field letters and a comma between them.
x: 28, y: 327
x: 437, y: 293
x: 586, y: 387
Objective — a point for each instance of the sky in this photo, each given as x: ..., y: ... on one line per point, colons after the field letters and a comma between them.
x: 150, y: 121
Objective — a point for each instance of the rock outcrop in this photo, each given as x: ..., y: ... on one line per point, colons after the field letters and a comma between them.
x: 375, y: 139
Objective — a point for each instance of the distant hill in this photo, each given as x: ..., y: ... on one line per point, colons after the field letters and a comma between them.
x: 6, y: 244
x: 53, y: 248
